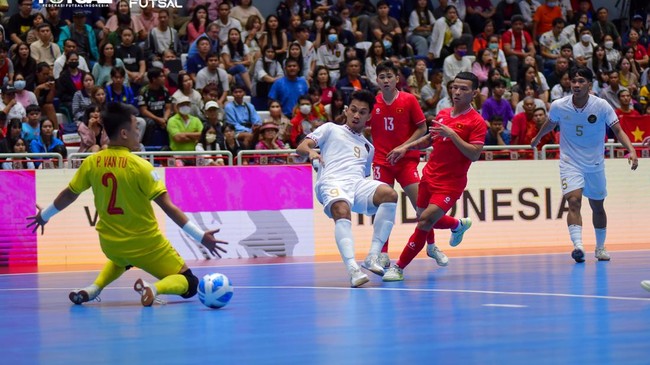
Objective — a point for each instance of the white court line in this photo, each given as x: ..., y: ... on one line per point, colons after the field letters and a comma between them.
x: 420, y: 290
x: 304, y: 263
x: 505, y: 305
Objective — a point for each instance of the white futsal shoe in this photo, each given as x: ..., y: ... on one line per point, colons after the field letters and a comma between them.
x: 434, y: 252
x: 645, y: 284
x: 86, y: 294
x: 602, y: 254
x: 148, y: 293
x: 384, y: 260
x: 371, y: 263
x: 457, y: 235
x: 395, y: 273
x: 357, y: 278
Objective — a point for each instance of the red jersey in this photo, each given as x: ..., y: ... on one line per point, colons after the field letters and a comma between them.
x: 447, y: 167
x: 391, y: 125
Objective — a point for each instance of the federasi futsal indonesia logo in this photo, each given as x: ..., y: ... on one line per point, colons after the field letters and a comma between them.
x: 160, y: 4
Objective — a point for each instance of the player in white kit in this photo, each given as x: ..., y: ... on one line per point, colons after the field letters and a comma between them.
x: 583, y: 119
x: 343, y: 164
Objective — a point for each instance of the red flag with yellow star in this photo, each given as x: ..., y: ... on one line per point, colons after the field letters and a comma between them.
x: 636, y: 127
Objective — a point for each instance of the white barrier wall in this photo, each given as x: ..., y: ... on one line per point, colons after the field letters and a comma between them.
x: 271, y: 211
x: 519, y: 204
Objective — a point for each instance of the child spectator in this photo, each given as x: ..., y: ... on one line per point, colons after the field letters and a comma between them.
x: 495, y: 105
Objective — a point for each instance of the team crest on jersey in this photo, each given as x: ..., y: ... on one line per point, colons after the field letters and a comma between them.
x: 459, y: 126
x: 337, y: 53
x: 367, y: 147
x: 377, y: 111
x: 399, y: 110
x: 592, y: 119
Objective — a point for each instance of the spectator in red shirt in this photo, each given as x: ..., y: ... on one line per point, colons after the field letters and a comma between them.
x: 517, y: 44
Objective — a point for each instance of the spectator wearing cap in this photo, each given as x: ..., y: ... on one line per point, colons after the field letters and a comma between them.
x: 637, y: 24
x: 517, y: 44
x: 43, y: 50
x: 10, y: 106
x: 20, y: 23
x: 268, y: 140
x: 242, y: 115
x: 213, y: 117
x: 83, y: 34
x: 184, y: 129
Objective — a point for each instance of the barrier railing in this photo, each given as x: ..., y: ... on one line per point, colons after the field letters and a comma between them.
x: 514, y: 150
x: 75, y: 158
x: 34, y: 156
x: 612, y: 148
x: 290, y: 156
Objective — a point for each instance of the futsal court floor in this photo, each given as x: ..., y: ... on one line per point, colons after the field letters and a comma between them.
x: 518, y: 309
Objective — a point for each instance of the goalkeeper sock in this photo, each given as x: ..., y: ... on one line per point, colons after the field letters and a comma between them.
x: 109, y: 274
x: 172, y: 284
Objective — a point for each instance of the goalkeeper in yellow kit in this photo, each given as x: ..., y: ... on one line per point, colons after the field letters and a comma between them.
x: 123, y: 185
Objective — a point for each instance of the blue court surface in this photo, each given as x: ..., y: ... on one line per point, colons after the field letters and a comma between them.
x: 529, y: 309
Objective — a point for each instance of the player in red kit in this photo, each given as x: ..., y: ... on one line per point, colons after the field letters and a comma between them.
x: 396, y: 121
x: 457, y: 137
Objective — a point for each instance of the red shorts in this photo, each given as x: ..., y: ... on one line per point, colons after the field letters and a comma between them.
x: 405, y: 172
x: 443, y: 199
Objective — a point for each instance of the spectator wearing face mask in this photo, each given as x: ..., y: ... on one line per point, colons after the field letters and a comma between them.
x: 184, y: 129
x: 456, y: 62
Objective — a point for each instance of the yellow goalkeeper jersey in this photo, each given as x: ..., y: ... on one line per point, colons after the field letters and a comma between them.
x: 124, y: 185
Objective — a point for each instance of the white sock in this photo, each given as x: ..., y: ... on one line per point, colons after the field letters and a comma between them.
x: 345, y: 241
x: 601, y: 234
x: 384, y: 221
x: 575, y: 232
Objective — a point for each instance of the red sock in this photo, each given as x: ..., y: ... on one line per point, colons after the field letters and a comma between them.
x: 412, y: 248
x: 431, y: 237
x: 384, y: 249
x: 446, y: 222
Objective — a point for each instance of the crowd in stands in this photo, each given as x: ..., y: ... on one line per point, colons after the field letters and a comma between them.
x: 198, y: 77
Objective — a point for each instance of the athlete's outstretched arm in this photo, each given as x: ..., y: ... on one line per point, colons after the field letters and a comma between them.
x: 306, y: 149
x: 65, y: 198
x: 546, y: 128
x: 206, y: 238
x: 625, y: 141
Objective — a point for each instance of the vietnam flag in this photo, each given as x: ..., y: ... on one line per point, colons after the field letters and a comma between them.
x: 636, y: 127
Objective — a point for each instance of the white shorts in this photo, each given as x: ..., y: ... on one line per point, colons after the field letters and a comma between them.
x: 594, y: 184
x: 358, y: 194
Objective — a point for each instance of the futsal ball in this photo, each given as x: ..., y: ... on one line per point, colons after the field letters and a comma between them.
x: 215, y: 290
